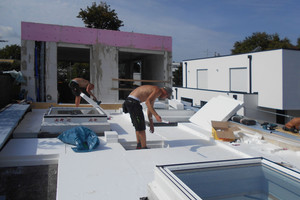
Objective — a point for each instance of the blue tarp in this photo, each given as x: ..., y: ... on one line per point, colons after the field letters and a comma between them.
x: 16, y: 75
x: 83, y: 138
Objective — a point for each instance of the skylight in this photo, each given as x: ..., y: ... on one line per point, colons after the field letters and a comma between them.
x: 254, y: 178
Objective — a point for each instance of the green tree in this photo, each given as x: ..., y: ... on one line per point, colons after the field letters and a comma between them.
x: 298, y: 43
x: 100, y: 16
x: 177, y: 76
x: 261, y: 41
x: 10, y: 52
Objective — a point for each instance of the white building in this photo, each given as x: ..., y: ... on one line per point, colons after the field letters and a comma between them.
x: 268, y: 82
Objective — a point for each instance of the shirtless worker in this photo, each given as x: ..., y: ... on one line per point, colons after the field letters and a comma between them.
x: 132, y: 105
x: 77, y: 85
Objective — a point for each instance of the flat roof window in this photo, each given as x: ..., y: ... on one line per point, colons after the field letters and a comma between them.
x: 254, y: 178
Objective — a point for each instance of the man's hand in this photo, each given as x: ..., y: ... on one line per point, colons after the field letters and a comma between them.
x: 151, y: 128
x: 158, y: 118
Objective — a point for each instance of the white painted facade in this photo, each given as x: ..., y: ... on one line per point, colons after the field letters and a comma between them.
x: 274, y: 81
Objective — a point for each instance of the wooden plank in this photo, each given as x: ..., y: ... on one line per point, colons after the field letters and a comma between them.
x: 111, y: 106
x: 123, y: 89
x: 288, y: 132
x: 146, y: 81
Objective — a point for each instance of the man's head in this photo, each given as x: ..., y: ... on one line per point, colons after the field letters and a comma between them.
x: 168, y: 92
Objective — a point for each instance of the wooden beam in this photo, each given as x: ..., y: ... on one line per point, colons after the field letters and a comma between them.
x: 132, y: 80
x: 123, y: 89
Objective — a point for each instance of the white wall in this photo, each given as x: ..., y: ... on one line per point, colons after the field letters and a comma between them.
x: 218, y: 70
x: 275, y: 76
x: 267, y: 78
x: 275, y: 80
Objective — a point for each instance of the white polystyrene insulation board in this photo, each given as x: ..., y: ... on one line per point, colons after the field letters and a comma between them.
x: 219, y: 108
x: 176, y: 104
x: 157, y: 105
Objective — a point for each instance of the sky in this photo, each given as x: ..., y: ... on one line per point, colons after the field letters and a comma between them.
x: 199, y: 28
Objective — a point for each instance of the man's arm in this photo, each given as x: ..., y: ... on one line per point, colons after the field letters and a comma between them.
x: 150, y: 102
x: 88, y: 89
x: 150, y: 121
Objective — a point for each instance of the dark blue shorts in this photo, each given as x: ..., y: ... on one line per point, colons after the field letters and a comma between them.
x: 134, y: 108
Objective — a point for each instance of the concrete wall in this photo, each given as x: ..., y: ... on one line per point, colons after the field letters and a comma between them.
x: 27, y: 67
x: 104, y: 50
x: 104, y: 67
x: 51, y: 72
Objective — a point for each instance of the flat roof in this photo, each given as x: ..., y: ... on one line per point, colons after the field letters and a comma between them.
x: 112, y: 172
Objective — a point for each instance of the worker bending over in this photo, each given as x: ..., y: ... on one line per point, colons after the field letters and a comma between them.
x: 132, y: 105
x: 78, y: 85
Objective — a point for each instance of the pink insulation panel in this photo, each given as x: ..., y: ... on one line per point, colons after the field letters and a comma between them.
x: 134, y: 40
x: 79, y: 35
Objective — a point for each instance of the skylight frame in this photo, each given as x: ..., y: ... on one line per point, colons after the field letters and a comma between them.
x: 180, y: 188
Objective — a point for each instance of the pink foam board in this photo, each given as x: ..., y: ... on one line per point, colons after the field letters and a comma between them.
x: 80, y: 35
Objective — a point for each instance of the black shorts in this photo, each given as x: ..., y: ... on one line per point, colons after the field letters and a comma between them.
x: 134, y: 108
x: 75, y: 88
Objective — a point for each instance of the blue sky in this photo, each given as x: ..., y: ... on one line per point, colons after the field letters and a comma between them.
x: 199, y: 28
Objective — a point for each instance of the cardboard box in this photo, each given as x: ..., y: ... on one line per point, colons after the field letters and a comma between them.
x: 222, y: 131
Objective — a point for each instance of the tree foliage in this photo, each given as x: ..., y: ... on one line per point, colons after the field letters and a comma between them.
x: 261, y: 41
x: 298, y: 43
x: 10, y: 52
x: 100, y: 16
x: 177, y: 76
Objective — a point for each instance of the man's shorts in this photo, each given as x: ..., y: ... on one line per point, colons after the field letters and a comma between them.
x: 75, y: 88
x: 134, y: 108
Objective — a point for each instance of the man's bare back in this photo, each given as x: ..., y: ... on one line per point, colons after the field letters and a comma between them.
x: 145, y: 92
x: 82, y: 82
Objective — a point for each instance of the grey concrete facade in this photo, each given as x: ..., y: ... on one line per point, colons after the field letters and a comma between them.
x: 104, y: 59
